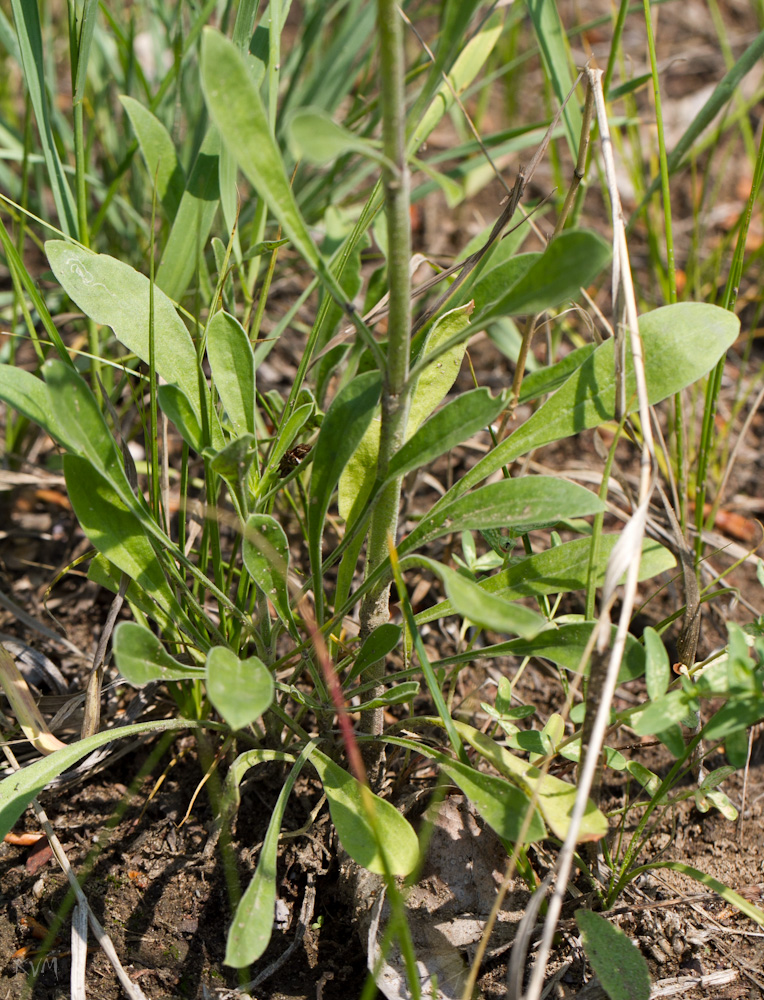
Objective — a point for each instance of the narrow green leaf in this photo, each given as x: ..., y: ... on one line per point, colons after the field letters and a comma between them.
x: 289, y: 432
x: 376, y: 646
x: 516, y: 503
x: 265, y: 552
x: 159, y: 154
x: 177, y: 407
x: 363, y: 839
x: 141, y: 657
x: 618, y: 963
x: 81, y: 424
x: 18, y: 790
x: 556, y: 798
x: 236, y: 107
x: 681, y: 342
x: 116, y: 531
x: 29, y: 395
x: 571, y: 261
x: 342, y: 429
x: 555, y: 54
x: 502, y: 805
x: 112, y: 293
x: 559, y: 570
x: 485, y: 609
x: 492, y: 285
x: 464, y: 416
x: 193, y: 221
x: 430, y: 389
x: 662, y: 713
x: 26, y: 18
x: 468, y: 64
x: 241, y: 690
x: 550, y: 377
x: 252, y: 923
x: 314, y: 136
x: 86, y: 23
x: 565, y: 646
x: 657, y: 665
x: 232, y: 364
x: 722, y: 93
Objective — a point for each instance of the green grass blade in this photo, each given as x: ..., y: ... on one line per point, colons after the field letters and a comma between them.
x: 555, y: 54
x: 27, y: 19
x: 193, y: 221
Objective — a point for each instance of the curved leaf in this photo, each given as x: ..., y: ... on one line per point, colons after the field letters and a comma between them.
x: 681, y: 342
x: 558, y: 570
x: 140, y: 657
x: 341, y: 432
x: 390, y: 831
x: 469, y: 600
x: 252, y: 923
x: 193, y: 221
x: 114, y: 294
x: 266, y: 555
x: 18, y: 790
x: 158, y: 153
x: 464, y: 416
x: 116, y: 531
x: 555, y: 797
x: 232, y: 364
x: 571, y: 261
x: 516, y: 503
x: 236, y: 107
x: 29, y: 395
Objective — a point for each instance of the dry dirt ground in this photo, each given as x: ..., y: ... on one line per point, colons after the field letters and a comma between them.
x: 138, y: 830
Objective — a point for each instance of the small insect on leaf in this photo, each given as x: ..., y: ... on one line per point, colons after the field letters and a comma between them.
x: 292, y: 459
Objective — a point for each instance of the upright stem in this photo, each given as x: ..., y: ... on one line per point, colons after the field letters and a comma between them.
x: 395, y: 400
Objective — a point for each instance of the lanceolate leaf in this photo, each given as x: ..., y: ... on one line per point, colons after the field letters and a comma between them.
x: 253, y: 921
x: 114, y: 294
x: 117, y: 532
x: 572, y: 260
x: 159, y: 154
x: 564, y: 645
x: 18, y: 790
x: 457, y: 421
x: 559, y: 570
x: 361, y: 837
x: 342, y: 429
x: 29, y: 395
x: 266, y: 555
x: 430, y: 389
x: 236, y: 107
x: 502, y: 805
x: 682, y: 342
x: 232, y: 364
x: 516, y: 503
x: 484, y: 609
x: 555, y: 797
x: 81, y: 423
x: 193, y: 221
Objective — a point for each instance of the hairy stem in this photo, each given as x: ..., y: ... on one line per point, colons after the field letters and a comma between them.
x: 375, y: 607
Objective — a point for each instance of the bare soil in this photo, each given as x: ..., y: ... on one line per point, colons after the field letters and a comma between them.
x: 139, y: 828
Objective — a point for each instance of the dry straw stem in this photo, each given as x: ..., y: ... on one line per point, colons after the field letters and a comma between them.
x: 627, y: 551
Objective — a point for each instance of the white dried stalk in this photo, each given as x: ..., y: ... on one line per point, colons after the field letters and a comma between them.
x: 632, y: 541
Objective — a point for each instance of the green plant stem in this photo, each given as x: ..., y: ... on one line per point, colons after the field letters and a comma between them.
x: 395, y: 398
